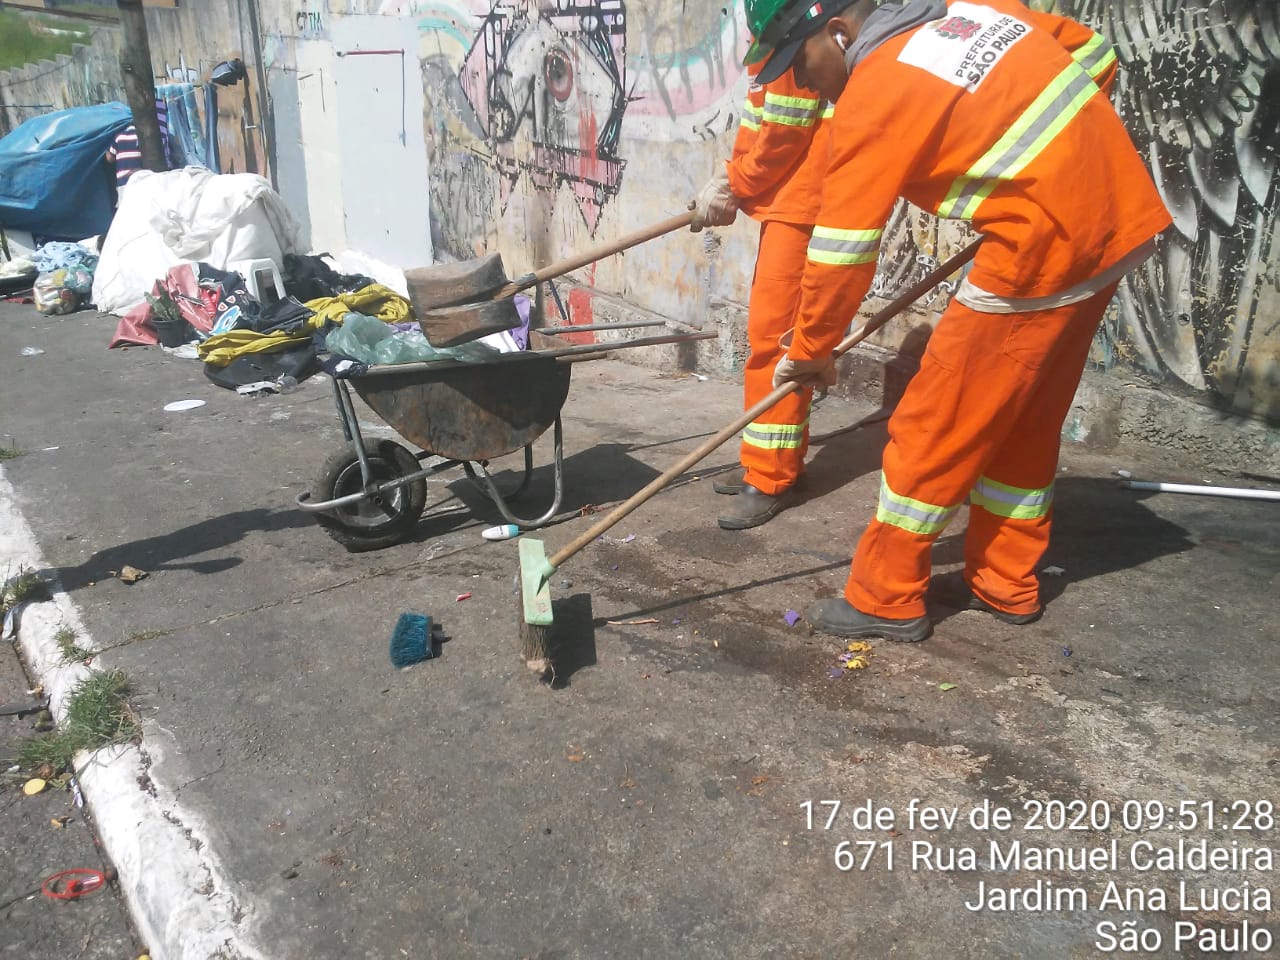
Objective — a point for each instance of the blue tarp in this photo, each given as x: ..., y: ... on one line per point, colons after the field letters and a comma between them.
x: 54, y: 180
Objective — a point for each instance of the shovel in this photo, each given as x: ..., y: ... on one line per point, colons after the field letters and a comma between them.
x: 534, y: 594
x: 463, y: 301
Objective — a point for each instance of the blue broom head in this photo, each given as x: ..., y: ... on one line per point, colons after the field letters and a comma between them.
x: 411, y: 640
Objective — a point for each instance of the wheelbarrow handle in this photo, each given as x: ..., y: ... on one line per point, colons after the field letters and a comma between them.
x: 878, y: 320
x: 561, y: 267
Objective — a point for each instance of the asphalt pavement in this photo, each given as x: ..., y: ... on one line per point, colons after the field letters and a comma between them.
x: 702, y: 777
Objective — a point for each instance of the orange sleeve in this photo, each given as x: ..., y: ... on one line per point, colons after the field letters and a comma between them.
x: 778, y: 124
x: 872, y: 155
x: 1087, y: 47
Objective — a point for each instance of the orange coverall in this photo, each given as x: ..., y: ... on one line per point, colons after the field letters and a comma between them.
x: 776, y: 175
x: 993, y: 114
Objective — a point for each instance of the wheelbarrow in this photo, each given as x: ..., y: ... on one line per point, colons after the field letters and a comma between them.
x: 371, y: 493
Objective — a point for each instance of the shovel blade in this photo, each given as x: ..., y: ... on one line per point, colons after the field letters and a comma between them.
x: 450, y: 326
x: 446, y: 284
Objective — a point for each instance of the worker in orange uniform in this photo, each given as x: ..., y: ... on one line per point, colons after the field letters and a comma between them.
x: 985, y: 111
x: 775, y: 176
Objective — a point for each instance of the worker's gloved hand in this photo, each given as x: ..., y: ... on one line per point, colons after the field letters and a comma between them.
x: 819, y: 374
x: 716, y: 205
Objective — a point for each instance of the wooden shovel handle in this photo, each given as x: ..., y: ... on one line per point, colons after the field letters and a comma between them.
x: 891, y: 310
x: 561, y: 267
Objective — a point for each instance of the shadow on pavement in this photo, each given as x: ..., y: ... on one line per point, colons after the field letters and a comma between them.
x: 166, y: 552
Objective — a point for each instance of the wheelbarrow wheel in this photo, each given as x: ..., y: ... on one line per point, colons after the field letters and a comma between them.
x: 375, y: 522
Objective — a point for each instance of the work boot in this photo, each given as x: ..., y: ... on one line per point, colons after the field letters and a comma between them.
x: 733, y: 484
x: 950, y: 590
x: 751, y: 508
x: 838, y: 616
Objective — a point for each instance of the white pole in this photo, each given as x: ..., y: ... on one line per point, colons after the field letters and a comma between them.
x: 1242, y: 492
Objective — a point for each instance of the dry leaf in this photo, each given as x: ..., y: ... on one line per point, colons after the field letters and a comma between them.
x: 59, y: 822
x: 130, y: 574
x: 857, y: 646
x: 860, y: 662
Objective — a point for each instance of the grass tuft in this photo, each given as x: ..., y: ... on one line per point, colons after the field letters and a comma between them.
x: 98, y: 715
x: 71, y: 651
x: 11, y: 453
x: 27, y: 585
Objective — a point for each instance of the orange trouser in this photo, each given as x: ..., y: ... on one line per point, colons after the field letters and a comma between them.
x: 982, y: 418
x: 774, y: 444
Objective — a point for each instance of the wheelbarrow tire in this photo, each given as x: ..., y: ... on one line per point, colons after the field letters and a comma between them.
x: 367, y: 525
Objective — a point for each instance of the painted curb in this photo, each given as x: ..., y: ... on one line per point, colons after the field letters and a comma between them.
x: 179, y: 896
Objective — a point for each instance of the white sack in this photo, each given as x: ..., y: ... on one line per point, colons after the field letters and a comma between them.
x: 190, y: 215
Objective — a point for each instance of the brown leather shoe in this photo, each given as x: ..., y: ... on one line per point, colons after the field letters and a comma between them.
x: 751, y: 508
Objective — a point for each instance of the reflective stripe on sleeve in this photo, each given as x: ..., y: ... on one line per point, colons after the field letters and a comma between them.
x: 1025, y: 140
x: 914, y: 516
x: 790, y: 111
x: 1096, y: 56
x: 751, y: 115
x: 844, y: 248
x: 1016, y: 503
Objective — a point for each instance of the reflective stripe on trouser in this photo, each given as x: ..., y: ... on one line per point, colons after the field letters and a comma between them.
x: 981, y: 419
x: 774, y: 445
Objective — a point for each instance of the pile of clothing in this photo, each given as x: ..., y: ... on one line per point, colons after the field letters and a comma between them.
x: 242, y: 340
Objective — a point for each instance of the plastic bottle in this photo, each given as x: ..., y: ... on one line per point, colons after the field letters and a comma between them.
x: 287, y: 384
x: 502, y: 532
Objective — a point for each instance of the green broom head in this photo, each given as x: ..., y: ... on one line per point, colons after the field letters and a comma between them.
x: 535, y: 577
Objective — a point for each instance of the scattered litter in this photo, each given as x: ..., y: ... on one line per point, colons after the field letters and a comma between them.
x: 614, y: 567
x: 699, y: 377
x: 75, y: 792
x: 130, y: 574
x: 462, y: 596
x: 72, y: 884
x: 180, y: 405
x: 1054, y: 571
x: 30, y: 351
x: 33, y: 786
x: 631, y: 623
x: 677, y: 621
x: 50, y: 449
x: 858, y: 646
x: 791, y: 617
x: 185, y: 352
x: 856, y: 656
x: 10, y: 621
x: 1066, y: 651
x: 503, y: 531
x: 258, y: 388
x: 834, y: 673
x: 1124, y: 473
x: 59, y: 822
x: 628, y: 538
x: 856, y: 661
x: 946, y: 686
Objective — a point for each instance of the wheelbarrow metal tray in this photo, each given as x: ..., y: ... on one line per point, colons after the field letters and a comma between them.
x: 470, y: 411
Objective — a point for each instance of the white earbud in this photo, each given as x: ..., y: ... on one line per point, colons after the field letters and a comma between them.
x: 842, y: 42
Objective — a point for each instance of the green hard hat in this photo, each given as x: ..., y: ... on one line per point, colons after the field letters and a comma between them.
x: 773, y: 23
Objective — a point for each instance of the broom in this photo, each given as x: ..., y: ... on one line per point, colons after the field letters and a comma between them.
x: 536, y: 568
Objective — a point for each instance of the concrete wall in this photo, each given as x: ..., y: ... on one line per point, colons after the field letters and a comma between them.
x: 547, y: 129
x: 547, y: 132
x: 186, y: 43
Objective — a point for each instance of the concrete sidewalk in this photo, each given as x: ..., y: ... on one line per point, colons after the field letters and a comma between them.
x: 296, y: 796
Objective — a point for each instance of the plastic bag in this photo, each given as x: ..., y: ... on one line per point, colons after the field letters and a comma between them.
x: 371, y: 341
x: 53, y: 296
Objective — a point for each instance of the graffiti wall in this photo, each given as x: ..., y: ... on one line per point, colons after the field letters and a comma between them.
x: 1200, y: 93
x: 1199, y: 90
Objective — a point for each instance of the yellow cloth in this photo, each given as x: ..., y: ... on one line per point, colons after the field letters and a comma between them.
x: 220, y: 349
x: 374, y: 300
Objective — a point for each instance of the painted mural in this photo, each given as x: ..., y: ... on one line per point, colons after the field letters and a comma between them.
x: 1200, y: 93
x: 547, y: 85
x: 1199, y: 90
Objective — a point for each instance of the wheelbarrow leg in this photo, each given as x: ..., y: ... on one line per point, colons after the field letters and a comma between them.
x: 351, y: 429
x: 498, y: 499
